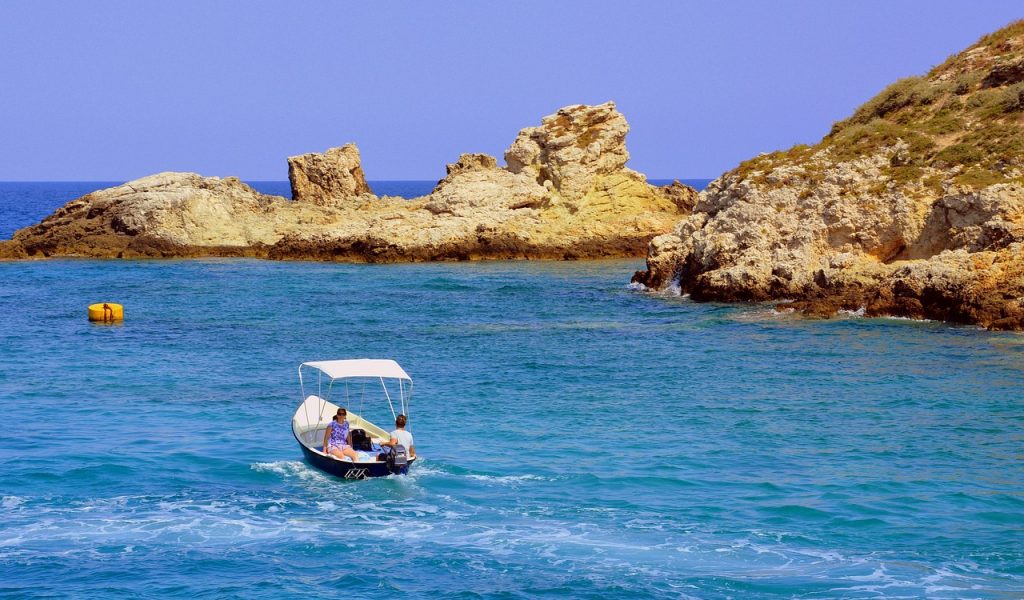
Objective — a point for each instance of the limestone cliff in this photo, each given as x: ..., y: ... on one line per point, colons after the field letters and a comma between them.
x: 565, y: 194
x: 913, y: 206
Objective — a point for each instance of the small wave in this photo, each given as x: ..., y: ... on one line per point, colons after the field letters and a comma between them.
x: 853, y: 313
x: 895, y: 318
x: 798, y: 511
x: 10, y: 502
x: 445, y: 284
x: 290, y: 468
x: 672, y: 290
x: 878, y: 574
x: 507, y: 478
x: 424, y: 469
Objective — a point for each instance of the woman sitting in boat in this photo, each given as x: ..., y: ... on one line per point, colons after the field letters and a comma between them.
x: 337, y: 440
x: 401, y: 436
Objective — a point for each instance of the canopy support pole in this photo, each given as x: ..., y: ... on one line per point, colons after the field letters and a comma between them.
x: 302, y: 390
x: 383, y: 385
x: 330, y: 388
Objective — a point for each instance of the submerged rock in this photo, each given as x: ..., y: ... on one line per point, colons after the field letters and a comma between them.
x: 593, y: 207
x: 914, y: 206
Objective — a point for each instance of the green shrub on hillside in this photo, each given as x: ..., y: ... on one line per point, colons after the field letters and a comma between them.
x: 986, y: 104
x: 964, y: 122
x: 1013, y: 98
x: 861, y: 140
x: 977, y: 177
x: 965, y: 82
x: 943, y: 123
x: 907, y: 174
x: 999, y: 143
x: 958, y: 154
x: 996, y: 38
x: 909, y: 92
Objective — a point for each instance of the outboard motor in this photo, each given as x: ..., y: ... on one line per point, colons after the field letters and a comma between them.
x: 397, y: 460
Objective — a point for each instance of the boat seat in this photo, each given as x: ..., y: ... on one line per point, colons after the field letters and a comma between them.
x: 364, y: 456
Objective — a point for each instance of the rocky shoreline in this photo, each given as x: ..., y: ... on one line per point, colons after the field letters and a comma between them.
x: 565, y: 194
x: 913, y: 206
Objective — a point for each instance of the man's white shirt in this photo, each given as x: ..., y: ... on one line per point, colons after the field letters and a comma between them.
x: 404, y: 438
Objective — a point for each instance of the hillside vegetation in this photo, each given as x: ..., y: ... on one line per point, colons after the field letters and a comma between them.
x: 912, y: 206
x: 962, y: 123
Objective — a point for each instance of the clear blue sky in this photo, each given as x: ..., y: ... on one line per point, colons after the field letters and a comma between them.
x: 111, y: 90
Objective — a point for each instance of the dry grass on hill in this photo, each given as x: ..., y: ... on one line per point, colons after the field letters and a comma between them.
x: 962, y: 123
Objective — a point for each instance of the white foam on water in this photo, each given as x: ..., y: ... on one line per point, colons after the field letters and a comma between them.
x: 895, y: 318
x: 11, y: 502
x: 645, y: 524
x: 672, y: 290
x: 160, y: 520
x: 431, y: 520
x: 425, y: 470
x: 385, y: 514
x: 878, y: 574
x: 889, y: 576
x: 290, y: 468
x: 422, y: 467
x: 16, y: 540
x: 506, y: 478
x: 853, y: 313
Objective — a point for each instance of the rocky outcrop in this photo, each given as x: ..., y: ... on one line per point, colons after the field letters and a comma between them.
x: 327, y: 179
x: 167, y: 214
x: 475, y: 182
x: 588, y: 205
x: 480, y: 210
x: 572, y: 149
x: 914, y: 206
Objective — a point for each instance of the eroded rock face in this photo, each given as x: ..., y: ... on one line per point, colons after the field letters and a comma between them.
x: 471, y: 162
x: 890, y: 214
x: 833, y: 246
x: 682, y: 195
x: 327, y: 179
x: 475, y: 182
x: 479, y: 210
x: 572, y: 148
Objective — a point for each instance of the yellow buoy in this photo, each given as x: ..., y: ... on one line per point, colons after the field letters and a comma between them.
x: 106, y: 312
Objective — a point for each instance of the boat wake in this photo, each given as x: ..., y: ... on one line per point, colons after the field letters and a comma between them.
x: 292, y: 469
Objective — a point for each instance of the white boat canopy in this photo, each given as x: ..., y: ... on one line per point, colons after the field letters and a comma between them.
x: 359, y: 367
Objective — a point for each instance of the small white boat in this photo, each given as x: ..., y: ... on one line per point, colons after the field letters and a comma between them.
x: 356, y: 383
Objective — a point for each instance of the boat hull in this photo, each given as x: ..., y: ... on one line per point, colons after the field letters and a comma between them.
x: 309, y: 426
x: 349, y: 470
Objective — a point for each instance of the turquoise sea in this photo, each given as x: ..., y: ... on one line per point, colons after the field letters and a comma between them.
x: 579, y: 439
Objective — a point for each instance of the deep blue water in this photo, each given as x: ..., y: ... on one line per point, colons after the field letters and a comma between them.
x: 579, y: 439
